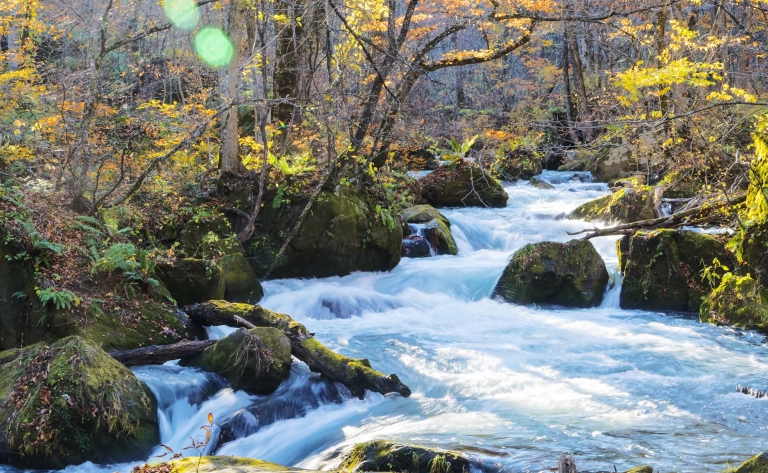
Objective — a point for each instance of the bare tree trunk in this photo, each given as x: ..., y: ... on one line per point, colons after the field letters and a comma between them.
x: 286, y: 78
x: 229, y: 78
x: 159, y: 354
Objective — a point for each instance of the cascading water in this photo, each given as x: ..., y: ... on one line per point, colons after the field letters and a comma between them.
x: 510, y: 385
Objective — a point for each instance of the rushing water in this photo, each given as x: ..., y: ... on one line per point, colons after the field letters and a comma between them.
x: 511, y: 386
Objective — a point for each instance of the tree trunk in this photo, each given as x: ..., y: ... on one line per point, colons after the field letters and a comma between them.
x: 229, y: 78
x: 286, y: 78
x: 159, y: 354
x: 571, y: 112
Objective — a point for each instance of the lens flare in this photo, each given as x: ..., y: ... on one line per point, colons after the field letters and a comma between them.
x: 183, y: 14
x: 214, y: 47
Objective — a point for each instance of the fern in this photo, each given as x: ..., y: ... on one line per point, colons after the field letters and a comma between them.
x: 63, y: 299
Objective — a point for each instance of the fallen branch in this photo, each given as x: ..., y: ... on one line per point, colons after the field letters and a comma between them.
x: 702, y: 214
x: 159, y: 354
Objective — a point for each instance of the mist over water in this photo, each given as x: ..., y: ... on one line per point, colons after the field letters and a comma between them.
x: 511, y: 386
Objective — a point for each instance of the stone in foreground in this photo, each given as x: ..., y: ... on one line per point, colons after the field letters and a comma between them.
x: 389, y: 456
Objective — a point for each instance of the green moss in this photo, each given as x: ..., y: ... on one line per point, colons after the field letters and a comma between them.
x: 423, y: 214
x: 71, y: 402
x: 221, y: 463
x: 640, y: 469
x: 192, y: 280
x: 346, y: 230
x: 464, y: 186
x: 626, y: 205
x: 440, y: 237
x: 255, y: 360
x: 736, y: 301
x: 384, y: 456
x: 663, y: 269
x: 569, y: 274
x: 756, y: 464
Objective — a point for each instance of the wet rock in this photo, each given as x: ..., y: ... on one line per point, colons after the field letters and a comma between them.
x: 756, y: 464
x: 191, y: 280
x: 70, y: 402
x: 539, y: 183
x: 415, y: 246
x: 222, y: 464
x: 736, y: 301
x: 255, y: 360
x: 569, y: 274
x: 627, y: 205
x: 387, y: 456
x: 520, y: 163
x: 663, y: 269
x: 440, y: 237
x: 640, y: 469
x: 423, y: 214
x: 213, y: 239
x: 466, y: 185
x: 347, y: 230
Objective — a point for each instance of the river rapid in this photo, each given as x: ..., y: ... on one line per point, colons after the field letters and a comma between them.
x: 511, y: 386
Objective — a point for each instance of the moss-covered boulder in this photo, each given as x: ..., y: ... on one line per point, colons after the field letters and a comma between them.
x: 440, y: 237
x: 640, y: 469
x: 354, y: 373
x: 255, y: 360
x: 70, y: 402
x: 569, y: 274
x: 663, y: 269
x: 736, y: 301
x: 213, y: 239
x: 465, y: 185
x: 346, y: 230
x: 214, y: 464
x: 520, y: 163
x: 756, y: 464
x: 423, y: 214
x: 383, y: 456
x: 627, y: 205
x: 192, y: 280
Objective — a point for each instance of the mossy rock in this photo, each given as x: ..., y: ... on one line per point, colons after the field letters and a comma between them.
x: 423, y: 214
x: 22, y: 317
x: 466, y: 185
x: 222, y: 464
x: 755, y: 250
x: 539, y: 183
x: 387, y: 456
x: 520, y: 163
x: 255, y: 360
x: 213, y: 239
x: 569, y: 274
x: 440, y: 237
x: 346, y: 230
x: 756, y: 464
x: 663, y: 269
x: 70, y: 402
x: 736, y: 301
x: 640, y: 469
x: 192, y: 280
x: 627, y: 205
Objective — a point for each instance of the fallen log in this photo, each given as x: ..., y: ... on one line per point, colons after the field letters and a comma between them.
x: 702, y: 214
x: 159, y: 354
x: 354, y: 373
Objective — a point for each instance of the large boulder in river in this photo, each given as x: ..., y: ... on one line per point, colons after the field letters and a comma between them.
x: 213, y: 239
x: 569, y: 274
x: 626, y: 205
x: 663, y: 269
x: 736, y: 301
x: 465, y: 185
x: 423, y: 214
x: 387, y: 456
x: 346, y: 230
x: 192, y: 280
x: 255, y: 360
x: 440, y: 237
x: 70, y: 402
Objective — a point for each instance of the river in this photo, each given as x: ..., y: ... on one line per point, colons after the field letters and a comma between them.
x: 511, y: 386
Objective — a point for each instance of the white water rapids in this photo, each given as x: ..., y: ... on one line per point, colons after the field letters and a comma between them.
x: 511, y: 386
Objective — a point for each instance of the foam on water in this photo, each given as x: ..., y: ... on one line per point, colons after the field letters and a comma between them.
x: 513, y: 386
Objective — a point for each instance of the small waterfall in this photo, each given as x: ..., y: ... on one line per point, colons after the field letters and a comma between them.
x: 420, y: 230
x: 612, y: 297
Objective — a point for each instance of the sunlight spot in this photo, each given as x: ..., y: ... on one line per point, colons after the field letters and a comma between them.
x: 183, y: 14
x: 213, y: 47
